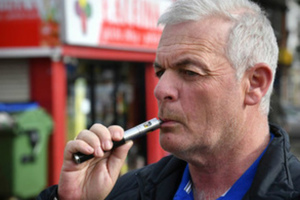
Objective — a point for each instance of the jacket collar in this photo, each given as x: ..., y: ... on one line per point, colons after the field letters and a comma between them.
x: 273, y: 177
x: 161, y: 180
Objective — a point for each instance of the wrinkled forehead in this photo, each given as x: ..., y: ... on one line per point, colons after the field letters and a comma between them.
x: 214, y: 30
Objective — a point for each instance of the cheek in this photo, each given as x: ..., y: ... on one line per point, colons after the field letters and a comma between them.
x: 198, y: 96
x: 196, y: 106
x: 211, y: 102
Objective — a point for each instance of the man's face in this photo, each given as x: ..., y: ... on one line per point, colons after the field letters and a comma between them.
x: 199, y: 97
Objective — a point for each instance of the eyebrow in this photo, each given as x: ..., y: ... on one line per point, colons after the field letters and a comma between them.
x: 186, y: 61
x: 156, y: 65
x: 183, y: 62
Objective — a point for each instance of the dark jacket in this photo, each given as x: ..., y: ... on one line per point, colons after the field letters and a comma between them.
x: 277, y: 177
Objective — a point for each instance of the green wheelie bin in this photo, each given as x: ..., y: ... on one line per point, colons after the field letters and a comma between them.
x: 24, y: 139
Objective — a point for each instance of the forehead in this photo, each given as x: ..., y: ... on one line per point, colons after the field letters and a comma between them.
x: 206, y: 36
x: 214, y: 28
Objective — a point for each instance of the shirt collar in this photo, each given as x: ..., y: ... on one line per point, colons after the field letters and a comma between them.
x: 237, y: 191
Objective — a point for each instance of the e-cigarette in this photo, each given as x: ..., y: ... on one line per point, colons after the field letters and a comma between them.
x: 129, y: 134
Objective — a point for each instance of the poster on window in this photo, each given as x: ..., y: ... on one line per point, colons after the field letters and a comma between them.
x: 29, y: 23
x: 114, y: 23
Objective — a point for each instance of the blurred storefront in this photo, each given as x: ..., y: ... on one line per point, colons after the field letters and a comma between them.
x: 85, y: 62
x: 293, y: 46
x: 291, y: 96
x: 284, y: 17
x: 31, y: 69
x: 109, y: 49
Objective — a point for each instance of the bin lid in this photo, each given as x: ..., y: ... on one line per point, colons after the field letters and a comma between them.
x: 19, y: 122
x: 6, y: 122
x: 18, y: 107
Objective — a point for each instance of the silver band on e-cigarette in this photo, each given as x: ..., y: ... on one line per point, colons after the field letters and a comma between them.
x: 129, y: 134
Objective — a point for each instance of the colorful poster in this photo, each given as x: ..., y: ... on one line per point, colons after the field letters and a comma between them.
x: 115, y: 23
x: 29, y: 23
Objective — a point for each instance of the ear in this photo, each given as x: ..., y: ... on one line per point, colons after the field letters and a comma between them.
x: 258, y: 79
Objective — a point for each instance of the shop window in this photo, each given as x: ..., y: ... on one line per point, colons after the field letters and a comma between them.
x: 108, y: 93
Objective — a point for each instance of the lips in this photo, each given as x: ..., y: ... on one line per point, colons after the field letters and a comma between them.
x: 164, y: 119
x: 169, y: 116
x: 168, y: 122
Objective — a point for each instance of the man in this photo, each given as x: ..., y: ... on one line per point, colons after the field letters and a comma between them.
x: 216, y: 62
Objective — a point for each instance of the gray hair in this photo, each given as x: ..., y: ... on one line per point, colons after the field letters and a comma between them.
x: 251, y: 39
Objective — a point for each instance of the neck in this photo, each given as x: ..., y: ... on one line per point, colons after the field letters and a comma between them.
x: 215, y: 173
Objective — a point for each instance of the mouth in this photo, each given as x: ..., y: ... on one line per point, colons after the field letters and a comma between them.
x: 166, y: 122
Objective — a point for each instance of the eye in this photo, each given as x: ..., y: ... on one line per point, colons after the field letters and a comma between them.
x: 159, y: 73
x: 189, y: 73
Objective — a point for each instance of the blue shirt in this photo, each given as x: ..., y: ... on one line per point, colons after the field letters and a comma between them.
x: 237, y: 191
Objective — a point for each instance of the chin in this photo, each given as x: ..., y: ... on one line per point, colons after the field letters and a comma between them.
x: 170, y: 143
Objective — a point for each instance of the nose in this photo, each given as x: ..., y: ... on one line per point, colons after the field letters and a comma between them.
x: 166, y: 89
